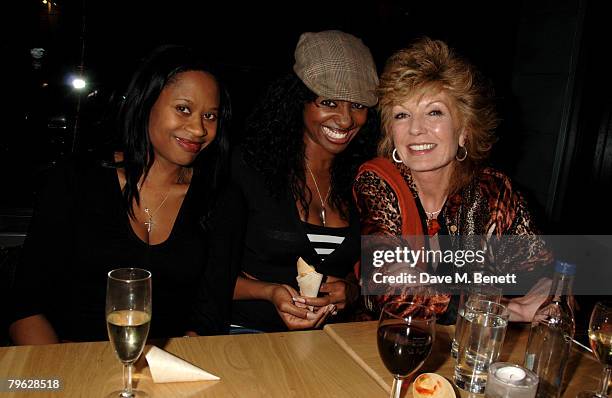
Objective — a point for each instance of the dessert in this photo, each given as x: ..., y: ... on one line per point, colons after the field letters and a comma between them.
x: 432, y: 385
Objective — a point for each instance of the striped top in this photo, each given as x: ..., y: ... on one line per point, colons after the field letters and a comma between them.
x: 325, y: 239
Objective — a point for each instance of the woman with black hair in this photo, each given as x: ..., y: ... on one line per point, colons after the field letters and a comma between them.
x: 142, y: 206
x: 292, y: 181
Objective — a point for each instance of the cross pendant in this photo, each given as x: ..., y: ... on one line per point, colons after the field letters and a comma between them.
x: 149, y: 223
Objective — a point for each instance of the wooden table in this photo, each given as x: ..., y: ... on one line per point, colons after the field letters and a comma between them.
x: 297, y: 364
x: 359, y: 341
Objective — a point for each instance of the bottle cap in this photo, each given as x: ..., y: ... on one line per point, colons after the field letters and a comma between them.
x: 565, y: 268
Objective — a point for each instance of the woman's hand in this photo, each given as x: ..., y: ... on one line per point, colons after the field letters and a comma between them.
x: 339, y: 291
x: 523, y: 309
x: 295, y: 314
x: 286, y: 300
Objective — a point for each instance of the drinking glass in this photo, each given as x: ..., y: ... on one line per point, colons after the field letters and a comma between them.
x: 477, y: 292
x: 406, y: 332
x: 600, y: 337
x: 128, y: 316
x: 482, y: 336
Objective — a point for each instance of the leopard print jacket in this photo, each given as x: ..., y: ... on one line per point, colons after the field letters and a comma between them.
x: 488, y: 206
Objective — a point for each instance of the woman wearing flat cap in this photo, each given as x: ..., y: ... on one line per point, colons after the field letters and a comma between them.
x: 291, y: 185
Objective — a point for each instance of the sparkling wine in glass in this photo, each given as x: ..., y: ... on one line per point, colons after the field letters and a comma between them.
x: 600, y: 337
x: 128, y: 316
x: 406, y: 332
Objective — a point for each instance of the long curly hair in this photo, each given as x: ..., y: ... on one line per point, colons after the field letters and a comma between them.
x: 274, y: 145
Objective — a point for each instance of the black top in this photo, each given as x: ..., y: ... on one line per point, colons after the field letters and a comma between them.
x: 325, y: 240
x: 274, y: 239
x: 80, y: 231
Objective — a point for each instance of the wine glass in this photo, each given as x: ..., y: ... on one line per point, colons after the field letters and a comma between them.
x: 128, y: 316
x: 406, y: 332
x: 600, y: 337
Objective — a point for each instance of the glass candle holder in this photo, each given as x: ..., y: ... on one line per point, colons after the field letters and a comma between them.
x: 508, y: 380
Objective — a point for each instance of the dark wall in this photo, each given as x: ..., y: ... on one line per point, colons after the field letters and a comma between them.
x: 588, y: 184
x: 534, y: 141
x: 253, y: 41
x: 531, y: 50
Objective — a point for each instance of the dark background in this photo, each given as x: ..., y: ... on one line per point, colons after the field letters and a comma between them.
x: 545, y: 58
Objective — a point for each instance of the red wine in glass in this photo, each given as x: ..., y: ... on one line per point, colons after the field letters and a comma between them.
x: 403, y: 348
x: 405, y: 337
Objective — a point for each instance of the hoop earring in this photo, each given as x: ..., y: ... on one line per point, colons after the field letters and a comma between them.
x: 465, y: 153
x: 396, y: 159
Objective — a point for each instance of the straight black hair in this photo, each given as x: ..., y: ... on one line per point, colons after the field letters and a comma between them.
x: 157, y: 70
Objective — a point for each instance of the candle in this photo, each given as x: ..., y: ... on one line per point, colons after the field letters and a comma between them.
x: 510, y: 374
x: 507, y: 380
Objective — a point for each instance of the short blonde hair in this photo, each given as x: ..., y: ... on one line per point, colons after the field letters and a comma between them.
x: 430, y: 65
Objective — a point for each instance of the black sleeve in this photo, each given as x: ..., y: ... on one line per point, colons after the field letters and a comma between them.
x: 225, y: 238
x: 47, y: 245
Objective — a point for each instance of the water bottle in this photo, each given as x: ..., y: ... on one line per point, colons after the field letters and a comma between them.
x: 552, y: 330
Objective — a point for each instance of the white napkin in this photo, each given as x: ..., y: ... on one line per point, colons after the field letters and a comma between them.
x: 309, y: 284
x: 308, y: 279
x: 167, y: 368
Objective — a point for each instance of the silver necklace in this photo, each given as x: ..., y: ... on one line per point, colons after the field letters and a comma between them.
x: 323, y: 202
x: 434, y: 214
x: 149, y: 222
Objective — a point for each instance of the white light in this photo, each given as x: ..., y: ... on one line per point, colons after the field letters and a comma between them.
x: 78, y: 83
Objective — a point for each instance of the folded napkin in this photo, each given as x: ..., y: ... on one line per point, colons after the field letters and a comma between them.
x: 167, y: 368
x: 309, y: 280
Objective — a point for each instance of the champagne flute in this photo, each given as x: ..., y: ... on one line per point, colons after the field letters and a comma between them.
x: 600, y: 337
x: 128, y: 316
x: 406, y: 332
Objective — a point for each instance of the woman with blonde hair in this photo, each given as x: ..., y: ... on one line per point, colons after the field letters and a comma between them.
x: 438, y: 119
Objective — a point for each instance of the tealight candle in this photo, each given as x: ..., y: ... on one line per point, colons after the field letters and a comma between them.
x: 510, y: 374
x: 508, y: 380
